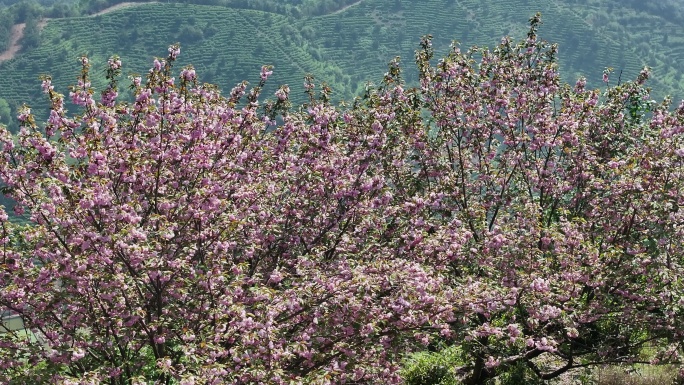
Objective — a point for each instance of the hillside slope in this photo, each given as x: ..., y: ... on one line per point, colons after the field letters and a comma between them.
x: 349, y: 46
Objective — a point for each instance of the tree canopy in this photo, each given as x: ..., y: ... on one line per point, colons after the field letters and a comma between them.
x: 192, y: 237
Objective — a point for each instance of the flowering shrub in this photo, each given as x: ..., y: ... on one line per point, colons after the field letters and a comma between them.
x: 194, y: 238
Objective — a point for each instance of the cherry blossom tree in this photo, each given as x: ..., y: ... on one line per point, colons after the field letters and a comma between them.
x: 195, y: 238
x: 184, y: 237
x: 558, y: 216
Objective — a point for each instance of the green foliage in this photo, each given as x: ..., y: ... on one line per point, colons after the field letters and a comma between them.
x: 5, y: 112
x: 518, y: 374
x: 31, y: 37
x: 432, y: 368
x: 6, y: 22
x: 190, y: 34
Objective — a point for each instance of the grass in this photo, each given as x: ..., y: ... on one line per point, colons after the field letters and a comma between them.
x: 635, y: 375
x: 437, y: 368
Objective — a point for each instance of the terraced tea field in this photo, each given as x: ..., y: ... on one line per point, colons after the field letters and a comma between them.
x: 239, y: 42
x: 345, y: 48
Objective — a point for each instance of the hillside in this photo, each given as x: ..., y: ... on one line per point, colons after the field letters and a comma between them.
x: 349, y: 45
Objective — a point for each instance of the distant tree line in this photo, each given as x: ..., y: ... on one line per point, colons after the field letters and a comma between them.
x: 670, y: 10
x: 31, y: 12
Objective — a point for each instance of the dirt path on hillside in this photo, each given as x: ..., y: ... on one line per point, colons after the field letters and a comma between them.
x: 346, y: 7
x: 120, y: 6
x: 17, y: 31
